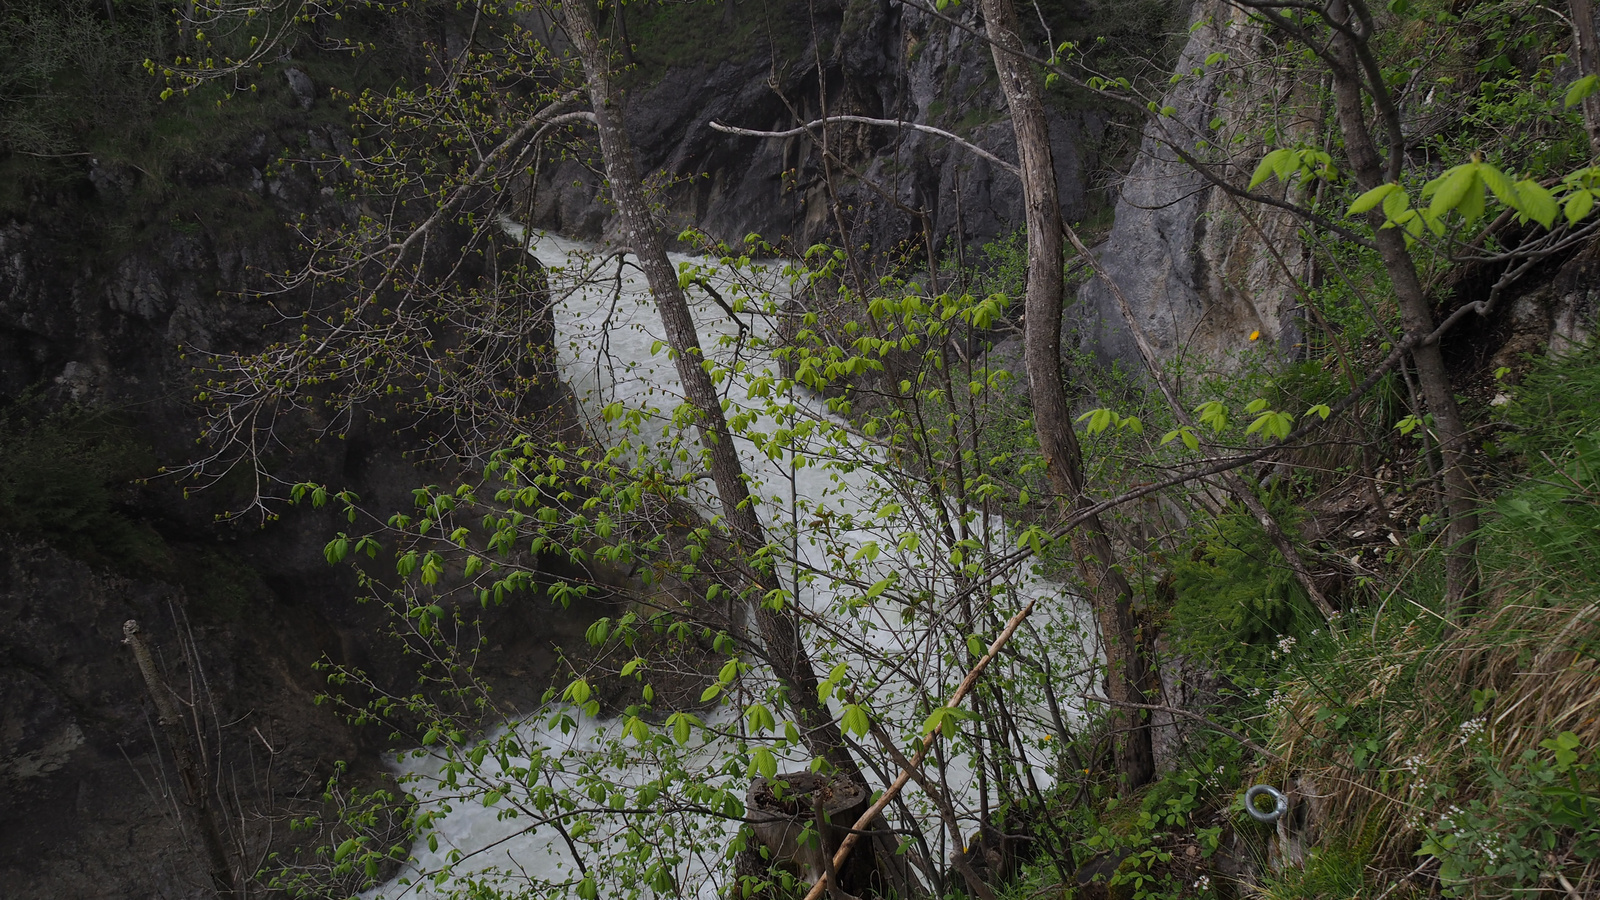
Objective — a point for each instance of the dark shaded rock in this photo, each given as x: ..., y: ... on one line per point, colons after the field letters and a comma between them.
x: 1093, y: 878
x: 1186, y: 683
x: 86, y: 804
x: 883, y: 61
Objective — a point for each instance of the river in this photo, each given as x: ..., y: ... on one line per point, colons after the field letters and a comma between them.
x: 829, y: 495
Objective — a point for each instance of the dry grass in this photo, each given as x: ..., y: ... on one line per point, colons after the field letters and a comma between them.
x: 1394, y: 728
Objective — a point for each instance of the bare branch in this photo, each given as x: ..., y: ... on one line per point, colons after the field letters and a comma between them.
x: 864, y: 120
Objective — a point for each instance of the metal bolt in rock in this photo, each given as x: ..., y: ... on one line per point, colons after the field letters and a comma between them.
x: 1280, y: 802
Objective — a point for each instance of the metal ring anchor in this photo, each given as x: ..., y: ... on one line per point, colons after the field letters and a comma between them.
x: 1280, y: 803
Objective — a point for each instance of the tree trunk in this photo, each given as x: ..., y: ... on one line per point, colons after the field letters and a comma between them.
x: 779, y: 629
x: 1416, y: 314
x: 191, y: 774
x: 1109, y: 591
x: 1588, y: 54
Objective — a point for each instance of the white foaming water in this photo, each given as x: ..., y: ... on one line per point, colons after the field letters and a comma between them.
x: 826, y: 508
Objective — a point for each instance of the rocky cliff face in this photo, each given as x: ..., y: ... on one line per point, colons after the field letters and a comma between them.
x: 91, y: 800
x: 110, y: 274
x: 1202, y: 271
x: 112, y: 281
x: 858, y: 57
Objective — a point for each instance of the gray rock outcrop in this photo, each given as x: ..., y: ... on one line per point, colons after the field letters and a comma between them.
x: 1195, y: 265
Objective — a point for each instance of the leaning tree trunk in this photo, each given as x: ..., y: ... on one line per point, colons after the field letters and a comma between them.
x: 1588, y: 54
x: 779, y: 630
x: 1416, y: 313
x: 192, y: 774
x: 1109, y: 591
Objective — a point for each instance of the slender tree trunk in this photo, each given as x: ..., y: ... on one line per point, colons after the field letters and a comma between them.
x: 1416, y: 314
x: 191, y: 773
x: 1109, y: 591
x: 779, y: 630
x: 621, y: 16
x: 1588, y: 54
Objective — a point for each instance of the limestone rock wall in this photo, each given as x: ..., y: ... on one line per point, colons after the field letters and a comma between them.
x: 1198, y: 268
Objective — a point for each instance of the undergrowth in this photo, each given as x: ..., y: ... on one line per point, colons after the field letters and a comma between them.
x: 1424, y: 758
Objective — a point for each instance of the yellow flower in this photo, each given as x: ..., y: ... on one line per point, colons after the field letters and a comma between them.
x: 1255, y: 335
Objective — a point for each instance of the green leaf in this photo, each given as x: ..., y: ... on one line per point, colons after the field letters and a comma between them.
x: 1269, y: 165
x: 1452, y: 187
x: 1099, y: 419
x: 944, y: 720
x: 1396, y: 204
x: 758, y: 718
x: 1580, y: 89
x: 1213, y: 413
x: 1470, y: 207
x: 345, y: 849
x: 854, y: 719
x: 1498, y: 183
x: 765, y: 764
x: 578, y: 692
x: 975, y: 645
x: 679, y: 723
x: 1255, y: 406
x: 1372, y: 198
x: 336, y: 549
x: 1287, y: 165
x: 637, y: 727
x: 1578, y: 205
x: 1536, y: 202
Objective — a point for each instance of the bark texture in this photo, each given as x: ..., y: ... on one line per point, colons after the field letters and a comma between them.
x: 779, y: 630
x: 1355, y: 88
x: 1583, y: 37
x: 1109, y: 591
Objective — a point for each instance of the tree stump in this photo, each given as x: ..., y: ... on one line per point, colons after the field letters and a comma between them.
x: 781, y: 809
